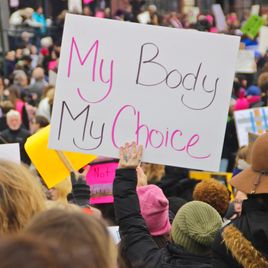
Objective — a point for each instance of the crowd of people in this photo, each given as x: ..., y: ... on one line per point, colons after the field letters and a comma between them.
x: 165, y: 218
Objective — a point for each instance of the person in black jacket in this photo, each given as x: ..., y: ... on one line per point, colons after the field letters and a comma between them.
x: 15, y: 133
x: 244, y: 242
x: 193, y: 229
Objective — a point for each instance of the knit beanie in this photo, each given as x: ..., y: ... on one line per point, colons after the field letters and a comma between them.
x: 154, y: 209
x: 195, y: 227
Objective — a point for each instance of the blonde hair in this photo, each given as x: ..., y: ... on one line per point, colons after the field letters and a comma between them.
x: 63, y: 189
x: 153, y: 171
x: 77, y: 234
x: 20, y: 197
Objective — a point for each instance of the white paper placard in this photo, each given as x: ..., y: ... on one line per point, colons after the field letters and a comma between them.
x: 164, y: 88
x: 250, y: 120
x: 263, y: 40
x: 11, y: 152
x: 246, y: 62
x: 219, y: 17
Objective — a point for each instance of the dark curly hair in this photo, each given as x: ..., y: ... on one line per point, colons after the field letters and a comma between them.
x: 213, y: 193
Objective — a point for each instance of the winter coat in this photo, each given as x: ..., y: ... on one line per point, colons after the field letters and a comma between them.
x: 137, y: 244
x: 246, y: 238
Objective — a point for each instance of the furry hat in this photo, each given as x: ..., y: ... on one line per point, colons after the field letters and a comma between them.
x: 255, y: 178
x: 214, y: 193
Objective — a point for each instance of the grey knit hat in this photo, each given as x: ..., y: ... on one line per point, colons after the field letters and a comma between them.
x: 195, y: 226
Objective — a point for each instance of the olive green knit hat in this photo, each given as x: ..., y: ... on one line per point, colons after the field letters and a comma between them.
x: 195, y: 226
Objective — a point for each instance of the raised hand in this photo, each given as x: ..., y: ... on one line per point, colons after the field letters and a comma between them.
x: 130, y: 155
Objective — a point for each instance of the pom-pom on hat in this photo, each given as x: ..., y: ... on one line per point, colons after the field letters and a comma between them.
x: 195, y: 227
x: 154, y: 209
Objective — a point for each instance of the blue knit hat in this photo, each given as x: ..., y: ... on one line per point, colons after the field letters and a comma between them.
x: 253, y: 91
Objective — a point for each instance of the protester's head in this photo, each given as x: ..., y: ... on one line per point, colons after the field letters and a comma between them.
x: 154, y: 172
x: 20, y: 78
x: 13, y: 120
x: 60, y: 191
x: 39, y: 122
x: 195, y: 227
x: 254, y: 179
x: 253, y: 91
x: 6, y: 106
x: 38, y: 74
x: 39, y: 9
x: 239, y: 198
x: 263, y: 80
x: 154, y: 209
x: 243, y: 155
x: 26, y: 251
x: 21, y: 197
x: 27, y: 12
x: 213, y: 193
x: 11, y: 55
x: 77, y: 234
x: 175, y: 203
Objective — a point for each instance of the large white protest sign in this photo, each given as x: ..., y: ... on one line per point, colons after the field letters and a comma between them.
x: 246, y: 62
x: 164, y: 88
x: 250, y: 121
x: 10, y: 152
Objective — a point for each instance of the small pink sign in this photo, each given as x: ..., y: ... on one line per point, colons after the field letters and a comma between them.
x: 100, y: 178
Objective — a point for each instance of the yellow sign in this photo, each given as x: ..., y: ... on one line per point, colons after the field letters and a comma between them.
x: 223, y: 177
x: 53, y: 166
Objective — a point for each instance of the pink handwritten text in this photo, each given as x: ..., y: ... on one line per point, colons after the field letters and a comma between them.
x: 173, y: 139
x: 94, y: 49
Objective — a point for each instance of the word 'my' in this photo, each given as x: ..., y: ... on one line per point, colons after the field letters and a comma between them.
x: 88, y: 135
x: 97, y: 73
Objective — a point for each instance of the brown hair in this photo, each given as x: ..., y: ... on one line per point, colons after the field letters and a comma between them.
x: 76, y: 233
x: 213, y: 193
x: 20, y: 197
x: 243, y: 153
x: 26, y: 251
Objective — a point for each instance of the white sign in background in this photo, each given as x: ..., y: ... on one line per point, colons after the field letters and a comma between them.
x: 250, y: 121
x: 263, y: 40
x: 219, y: 17
x: 164, y: 88
x: 246, y: 62
x: 10, y: 152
